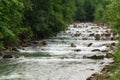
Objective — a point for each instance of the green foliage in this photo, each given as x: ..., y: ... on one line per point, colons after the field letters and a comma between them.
x: 10, y: 17
x: 86, y: 9
x: 10, y: 11
x: 42, y: 18
x: 23, y: 33
x: 1, y: 46
x: 1, y: 35
x: 112, y: 14
x: 80, y: 13
x: 46, y: 21
x: 5, y: 31
x: 99, y: 12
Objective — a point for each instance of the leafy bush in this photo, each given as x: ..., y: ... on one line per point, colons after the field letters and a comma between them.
x: 23, y: 33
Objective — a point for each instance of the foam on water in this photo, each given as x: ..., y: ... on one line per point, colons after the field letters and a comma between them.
x: 66, y: 62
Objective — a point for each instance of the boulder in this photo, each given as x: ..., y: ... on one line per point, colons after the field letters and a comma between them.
x: 24, y: 45
x: 36, y: 42
x: 73, y: 45
x: 90, y: 44
x: 102, y: 34
x: 113, y: 48
x: 84, y: 38
x: 75, y: 25
x: 113, y: 44
x: 14, y: 49
x: 77, y: 34
x: 20, y: 47
x: 113, y: 38
x: 107, y: 35
x: 92, y: 78
x: 77, y: 50
x: 96, y: 57
x: 97, y: 37
x: 7, y: 56
x: 114, y: 33
x: 43, y: 42
x: 92, y: 34
x: 95, y: 50
x: 105, y: 51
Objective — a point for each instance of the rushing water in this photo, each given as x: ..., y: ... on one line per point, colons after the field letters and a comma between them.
x: 58, y: 60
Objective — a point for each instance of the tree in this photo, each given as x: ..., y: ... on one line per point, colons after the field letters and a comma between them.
x: 112, y: 14
x: 49, y: 17
x: 80, y: 13
x: 10, y: 17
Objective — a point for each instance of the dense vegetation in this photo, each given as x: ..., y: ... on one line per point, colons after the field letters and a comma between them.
x: 36, y: 19
x: 33, y: 19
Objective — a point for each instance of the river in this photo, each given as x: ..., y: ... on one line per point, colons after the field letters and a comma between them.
x: 65, y: 57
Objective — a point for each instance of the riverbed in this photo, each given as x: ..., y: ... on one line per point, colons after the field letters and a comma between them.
x: 67, y: 56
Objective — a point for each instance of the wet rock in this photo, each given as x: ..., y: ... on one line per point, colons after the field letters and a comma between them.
x: 14, y: 49
x: 96, y: 57
x: 105, y: 70
x: 109, y: 31
x: 104, y: 50
x: 7, y: 56
x: 114, y: 33
x: 84, y: 57
x: 113, y: 44
x: 97, y: 37
x: 95, y: 50
x: 92, y: 78
x: 90, y: 44
x: 84, y: 38
x: 113, y: 38
x: 77, y: 50
x: 20, y: 47
x: 24, y: 45
x: 92, y: 34
x: 36, y: 42
x: 107, y: 45
x: 1, y: 53
x: 43, y: 42
x: 73, y: 45
x: 77, y: 34
x: 113, y: 48
x: 108, y: 35
x: 75, y: 25
x: 89, y: 31
x: 102, y: 34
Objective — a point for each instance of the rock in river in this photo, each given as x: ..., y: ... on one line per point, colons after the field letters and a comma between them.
x: 73, y: 45
x: 7, y: 56
x: 96, y: 57
x: 90, y: 44
x: 97, y: 37
x: 95, y: 50
x: 77, y: 50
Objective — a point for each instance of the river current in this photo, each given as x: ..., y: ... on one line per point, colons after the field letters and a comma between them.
x: 65, y: 57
